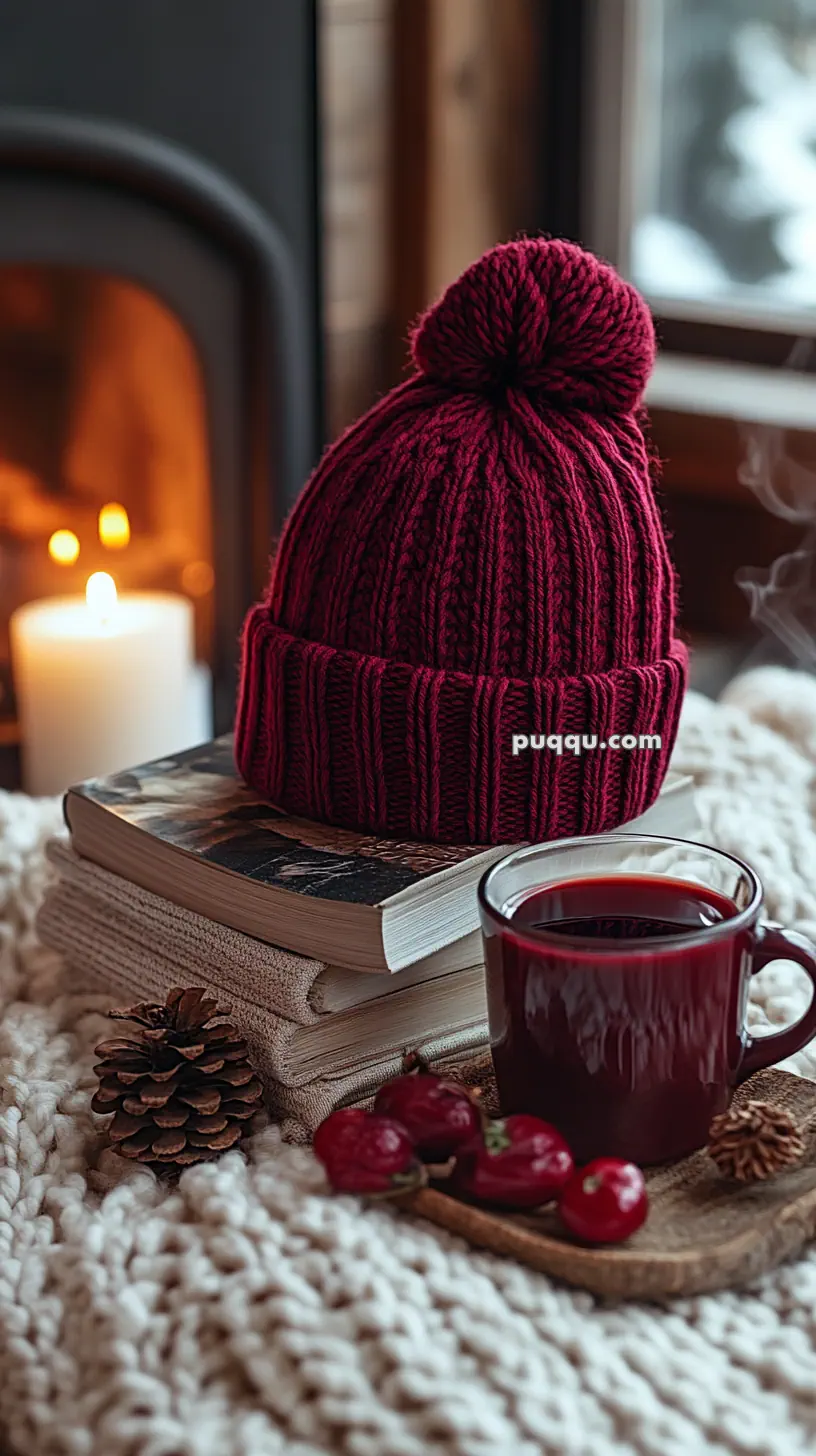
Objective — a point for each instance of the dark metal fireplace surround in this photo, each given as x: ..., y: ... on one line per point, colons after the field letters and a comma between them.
x: 172, y: 144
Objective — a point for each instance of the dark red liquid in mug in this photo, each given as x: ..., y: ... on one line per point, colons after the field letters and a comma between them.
x: 629, y: 1049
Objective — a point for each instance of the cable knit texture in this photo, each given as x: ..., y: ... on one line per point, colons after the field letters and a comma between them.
x: 248, y: 1313
x: 481, y: 555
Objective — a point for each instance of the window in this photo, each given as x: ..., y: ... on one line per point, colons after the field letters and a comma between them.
x: 726, y: 207
x: 698, y: 179
x: 700, y: 157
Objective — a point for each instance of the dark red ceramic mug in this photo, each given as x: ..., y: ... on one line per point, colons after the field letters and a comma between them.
x: 618, y: 970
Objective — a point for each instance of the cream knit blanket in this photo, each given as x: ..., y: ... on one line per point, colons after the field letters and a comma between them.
x: 247, y: 1313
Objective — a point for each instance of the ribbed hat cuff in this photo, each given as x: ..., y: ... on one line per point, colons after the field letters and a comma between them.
x: 376, y: 745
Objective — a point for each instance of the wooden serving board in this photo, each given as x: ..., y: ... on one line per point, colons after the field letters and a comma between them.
x: 703, y: 1232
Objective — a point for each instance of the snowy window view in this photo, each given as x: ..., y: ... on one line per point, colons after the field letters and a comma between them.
x: 731, y: 203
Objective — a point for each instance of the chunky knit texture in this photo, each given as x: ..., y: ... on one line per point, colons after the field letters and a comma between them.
x: 246, y: 1312
x: 481, y: 555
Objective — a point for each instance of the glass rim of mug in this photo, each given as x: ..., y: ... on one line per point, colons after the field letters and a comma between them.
x: 647, y: 945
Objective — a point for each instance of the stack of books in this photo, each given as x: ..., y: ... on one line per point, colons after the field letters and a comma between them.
x: 336, y: 951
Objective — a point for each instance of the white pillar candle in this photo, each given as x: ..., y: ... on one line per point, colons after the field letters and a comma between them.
x: 101, y: 684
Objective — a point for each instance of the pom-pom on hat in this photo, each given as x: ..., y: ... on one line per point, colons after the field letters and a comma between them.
x: 476, y: 566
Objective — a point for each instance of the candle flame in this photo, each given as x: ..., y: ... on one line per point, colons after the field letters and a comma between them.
x: 100, y: 594
x: 63, y: 547
x: 114, y: 526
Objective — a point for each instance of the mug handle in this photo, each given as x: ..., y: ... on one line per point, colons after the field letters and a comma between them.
x: 777, y: 944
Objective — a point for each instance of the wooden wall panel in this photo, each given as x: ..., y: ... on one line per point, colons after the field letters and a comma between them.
x: 356, y: 41
x: 482, y: 129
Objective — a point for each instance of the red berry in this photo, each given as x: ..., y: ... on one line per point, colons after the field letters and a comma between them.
x: 367, y: 1154
x: 332, y: 1130
x: 439, y: 1115
x: 605, y: 1202
x: 519, y: 1162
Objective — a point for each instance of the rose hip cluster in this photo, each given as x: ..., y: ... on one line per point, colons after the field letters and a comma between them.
x: 517, y: 1162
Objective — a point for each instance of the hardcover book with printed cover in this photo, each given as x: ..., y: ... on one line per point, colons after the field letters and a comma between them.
x: 188, y: 828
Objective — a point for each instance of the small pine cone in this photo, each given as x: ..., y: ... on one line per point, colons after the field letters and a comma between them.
x: 182, y: 1090
x: 754, y: 1142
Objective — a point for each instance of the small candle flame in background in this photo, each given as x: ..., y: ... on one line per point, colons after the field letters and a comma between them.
x: 114, y: 526
x: 63, y: 547
x: 101, y: 595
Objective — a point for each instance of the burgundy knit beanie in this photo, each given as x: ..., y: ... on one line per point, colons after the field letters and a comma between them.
x: 479, y: 560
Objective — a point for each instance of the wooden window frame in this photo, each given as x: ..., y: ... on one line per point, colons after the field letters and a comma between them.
x: 600, y: 116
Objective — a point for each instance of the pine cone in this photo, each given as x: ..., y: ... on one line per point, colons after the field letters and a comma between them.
x: 183, y: 1089
x: 754, y: 1142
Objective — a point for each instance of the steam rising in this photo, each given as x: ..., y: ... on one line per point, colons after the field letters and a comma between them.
x: 782, y: 597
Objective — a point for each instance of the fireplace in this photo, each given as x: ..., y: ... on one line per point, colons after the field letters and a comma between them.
x: 159, y: 343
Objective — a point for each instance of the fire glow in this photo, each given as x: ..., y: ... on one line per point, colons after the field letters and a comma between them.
x: 114, y: 526
x: 63, y: 547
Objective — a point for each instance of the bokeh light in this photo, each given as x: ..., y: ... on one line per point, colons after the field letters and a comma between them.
x: 114, y: 526
x: 63, y: 547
